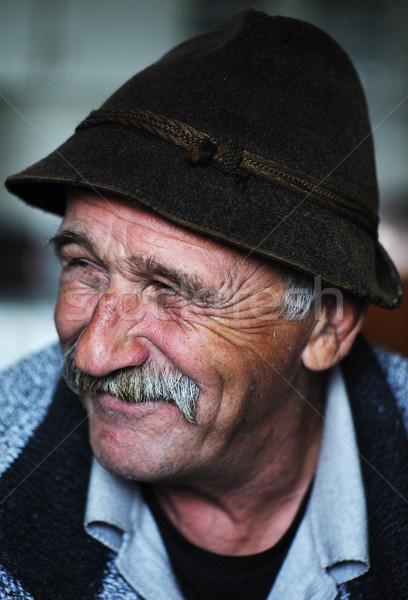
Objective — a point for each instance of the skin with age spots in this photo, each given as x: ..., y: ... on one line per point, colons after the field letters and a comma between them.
x: 138, y: 290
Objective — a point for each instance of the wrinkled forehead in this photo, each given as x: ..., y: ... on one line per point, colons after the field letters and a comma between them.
x: 133, y: 240
x: 85, y: 209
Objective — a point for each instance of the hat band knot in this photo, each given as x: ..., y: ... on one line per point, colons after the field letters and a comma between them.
x: 200, y: 153
x: 228, y: 157
x: 225, y: 156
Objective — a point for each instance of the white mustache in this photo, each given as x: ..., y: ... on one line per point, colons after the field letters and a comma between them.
x: 138, y: 384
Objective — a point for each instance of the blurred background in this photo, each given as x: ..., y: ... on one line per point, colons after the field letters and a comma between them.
x: 59, y: 59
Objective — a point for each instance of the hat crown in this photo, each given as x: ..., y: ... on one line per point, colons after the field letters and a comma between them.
x: 278, y: 87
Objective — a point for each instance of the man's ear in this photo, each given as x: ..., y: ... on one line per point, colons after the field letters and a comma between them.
x: 334, y: 332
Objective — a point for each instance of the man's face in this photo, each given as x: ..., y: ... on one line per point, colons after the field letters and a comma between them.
x: 138, y: 291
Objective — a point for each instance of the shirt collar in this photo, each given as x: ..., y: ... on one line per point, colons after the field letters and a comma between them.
x: 331, y: 545
x: 118, y: 517
x: 109, y: 507
x: 340, y: 529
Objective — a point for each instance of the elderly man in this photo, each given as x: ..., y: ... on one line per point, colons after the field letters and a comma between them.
x: 218, y: 250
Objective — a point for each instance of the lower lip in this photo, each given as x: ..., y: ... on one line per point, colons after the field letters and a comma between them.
x: 112, y: 406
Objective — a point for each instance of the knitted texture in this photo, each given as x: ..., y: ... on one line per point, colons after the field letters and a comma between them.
x: 43, y: 544
x: 25, y: 392
x: 379, y: 413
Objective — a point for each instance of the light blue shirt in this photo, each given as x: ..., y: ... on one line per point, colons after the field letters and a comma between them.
x: 330, y: 546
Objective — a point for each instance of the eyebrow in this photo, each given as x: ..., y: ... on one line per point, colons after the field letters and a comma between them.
x: 66, y: 237
x: 188, y: 283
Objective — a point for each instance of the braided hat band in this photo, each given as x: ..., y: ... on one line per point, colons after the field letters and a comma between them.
x: 205, y: 150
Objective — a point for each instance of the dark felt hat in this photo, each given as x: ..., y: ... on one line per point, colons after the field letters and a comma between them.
x: 255, y: 134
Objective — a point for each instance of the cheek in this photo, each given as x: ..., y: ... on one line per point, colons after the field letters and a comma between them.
x: 74, y: 309
x: 190, y: 340
x: 204, y: 353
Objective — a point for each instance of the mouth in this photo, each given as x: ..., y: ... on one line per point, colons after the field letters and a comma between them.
x: 113, y: 407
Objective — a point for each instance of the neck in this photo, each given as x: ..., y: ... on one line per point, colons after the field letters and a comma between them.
x: 250, y: 516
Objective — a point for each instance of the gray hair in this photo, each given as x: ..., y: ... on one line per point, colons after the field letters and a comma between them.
x: 299, y: 295
x: 302, y: 293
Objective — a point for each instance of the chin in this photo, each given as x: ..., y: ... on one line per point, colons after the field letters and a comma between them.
x: 140, y: 468
x: 142, y: 454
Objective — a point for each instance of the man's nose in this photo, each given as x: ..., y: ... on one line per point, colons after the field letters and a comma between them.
x: 109, y: 341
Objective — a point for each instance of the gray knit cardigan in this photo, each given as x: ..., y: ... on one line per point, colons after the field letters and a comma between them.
x: 44, y: 468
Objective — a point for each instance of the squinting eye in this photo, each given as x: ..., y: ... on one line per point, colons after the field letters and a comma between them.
x: 168, y: 296
x: 160, y: 286
x: 82, y: 271
x: 79, y: 262
x: 167, y: 289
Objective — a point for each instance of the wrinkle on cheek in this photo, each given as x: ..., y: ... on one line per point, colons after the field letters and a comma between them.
x: 73, y: 311
x: 241, y: 332
x: 266, y: 348
x: 76, y: 302
x: 249, y: 310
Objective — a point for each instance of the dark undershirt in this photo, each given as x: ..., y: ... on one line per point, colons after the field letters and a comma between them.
x: 204, y: 575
